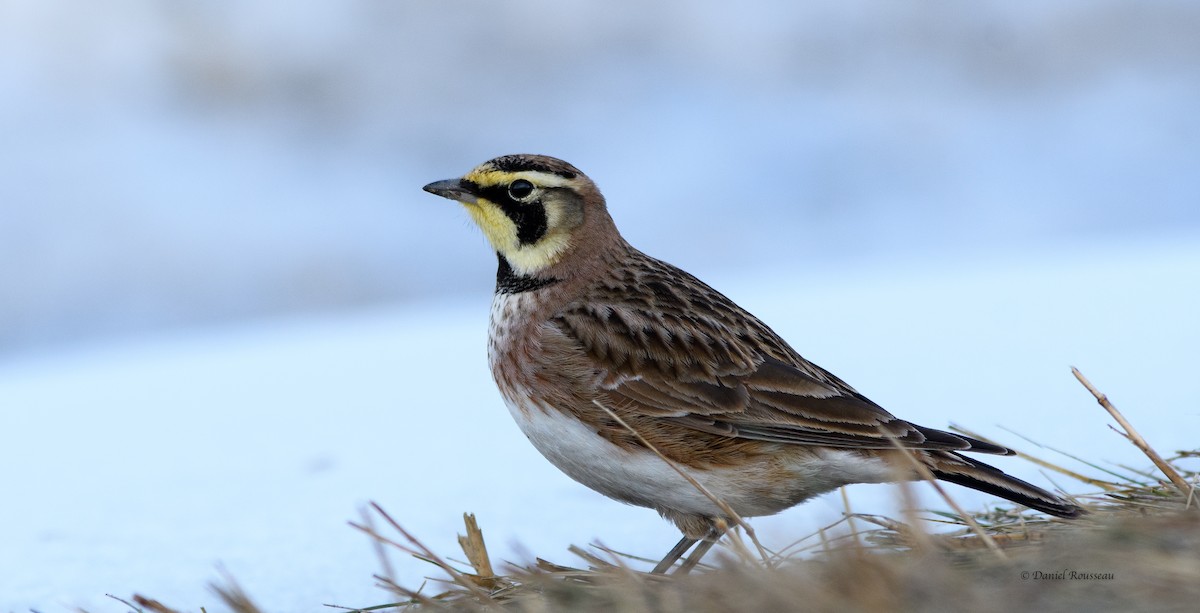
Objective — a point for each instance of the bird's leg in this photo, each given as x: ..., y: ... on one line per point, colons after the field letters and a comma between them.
x: 677, y: 552
x: 694, y: 558
x: 672, y: 556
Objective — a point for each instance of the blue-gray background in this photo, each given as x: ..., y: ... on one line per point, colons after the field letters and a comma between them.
x: 173, y: 164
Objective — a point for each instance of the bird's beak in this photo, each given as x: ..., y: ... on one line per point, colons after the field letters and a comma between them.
x: 453, y: 189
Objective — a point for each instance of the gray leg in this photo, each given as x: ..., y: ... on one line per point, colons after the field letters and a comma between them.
x: 676, y: 552
x: 695, y: 557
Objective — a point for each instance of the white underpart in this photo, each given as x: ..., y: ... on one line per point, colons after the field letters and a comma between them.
x: 641, y: 477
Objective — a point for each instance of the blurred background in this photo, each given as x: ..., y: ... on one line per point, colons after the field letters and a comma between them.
x: 229, y: 316
x: 178, y: 164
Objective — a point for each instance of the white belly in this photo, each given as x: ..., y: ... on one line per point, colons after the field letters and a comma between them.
x: 643, y: 478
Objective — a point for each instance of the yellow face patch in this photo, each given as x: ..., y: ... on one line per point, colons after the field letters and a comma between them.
x: 502, y: 232
x: 499, y: 229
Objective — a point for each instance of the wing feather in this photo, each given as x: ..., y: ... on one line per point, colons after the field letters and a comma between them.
x: 683, y: 352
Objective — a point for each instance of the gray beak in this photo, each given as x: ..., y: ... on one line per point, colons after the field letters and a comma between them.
x: 452, y: 189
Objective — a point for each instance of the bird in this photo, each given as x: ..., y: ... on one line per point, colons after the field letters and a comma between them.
x: 627, y: 372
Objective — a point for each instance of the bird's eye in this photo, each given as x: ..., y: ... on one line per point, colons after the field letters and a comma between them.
x: 520, y: 189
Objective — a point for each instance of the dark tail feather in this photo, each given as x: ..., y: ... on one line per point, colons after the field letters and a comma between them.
x: 952, y: 467
x: 961, y: 441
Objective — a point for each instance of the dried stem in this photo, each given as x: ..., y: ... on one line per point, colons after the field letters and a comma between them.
x: 850, y: 519
x: 1132, y: 435
x: 417, y: 548
x: 475, y: 549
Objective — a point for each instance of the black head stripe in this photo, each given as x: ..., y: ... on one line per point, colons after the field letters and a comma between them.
x: 530, y: 218
x: 536, y: 163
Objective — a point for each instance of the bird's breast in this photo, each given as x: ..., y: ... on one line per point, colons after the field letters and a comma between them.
x: 514, y: 350
x: 508, y: 328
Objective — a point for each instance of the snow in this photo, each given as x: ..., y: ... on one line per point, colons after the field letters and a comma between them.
x: 148, y: 465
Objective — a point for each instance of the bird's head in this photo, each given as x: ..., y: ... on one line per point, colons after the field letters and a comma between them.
x: 532, y: 208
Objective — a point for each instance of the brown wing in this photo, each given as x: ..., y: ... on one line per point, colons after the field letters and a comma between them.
x: 675, y: 349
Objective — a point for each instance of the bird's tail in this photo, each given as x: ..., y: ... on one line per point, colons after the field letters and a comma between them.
x: 956, y: 468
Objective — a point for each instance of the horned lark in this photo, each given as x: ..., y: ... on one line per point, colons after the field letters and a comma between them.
x: 584, y: 326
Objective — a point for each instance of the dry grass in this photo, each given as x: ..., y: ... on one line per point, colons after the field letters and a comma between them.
x: 1137, y: 549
